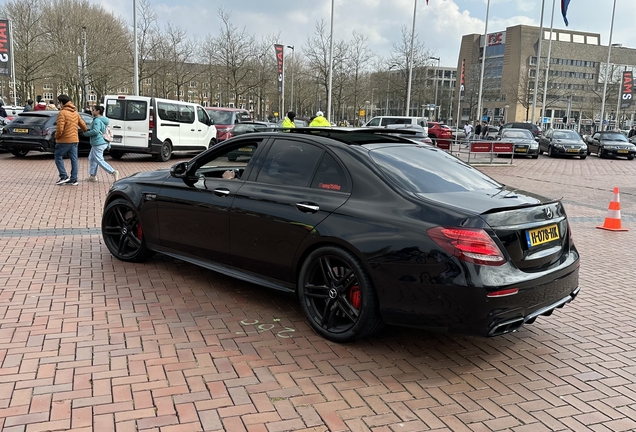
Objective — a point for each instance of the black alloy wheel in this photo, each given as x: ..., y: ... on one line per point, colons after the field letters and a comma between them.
x: 550, y: 151
x: 123, y: 233
x: 212, y: 143
x: 19, y: 153
x: 165, y: 153
x: 337, y: 295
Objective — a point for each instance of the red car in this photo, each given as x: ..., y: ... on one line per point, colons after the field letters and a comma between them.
x: 440, y: 131
x: 226, y: 118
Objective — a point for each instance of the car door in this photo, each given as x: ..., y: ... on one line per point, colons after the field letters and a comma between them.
x: 187, y: 127
x: 193, y: 211
x: 297, y: 186
x: 594, y: 143
x: 205, y: 131
x: 544, y: 141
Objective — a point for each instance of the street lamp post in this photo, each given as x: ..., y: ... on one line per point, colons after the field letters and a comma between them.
x: 136, y: 53
x: 607, y: 68
x: 408, y: 90
x: 388, y: 82
x: 84, y: 71
x: 291, y: 101
x: 436, y: 80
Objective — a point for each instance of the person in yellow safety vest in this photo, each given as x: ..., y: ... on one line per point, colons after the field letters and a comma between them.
x: 289, y: 120
x: 319, y: 120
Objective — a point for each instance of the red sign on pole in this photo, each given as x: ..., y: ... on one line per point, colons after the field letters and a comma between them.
x: 279, y: 61
x: 627, y: 90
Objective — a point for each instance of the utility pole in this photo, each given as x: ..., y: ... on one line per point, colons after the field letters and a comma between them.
x: 84, y: 71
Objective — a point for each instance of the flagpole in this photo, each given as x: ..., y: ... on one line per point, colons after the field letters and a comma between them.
x: 609, y: 53
x: 330, y: 65
x: 536, y: 77
x: 483, y: 63
x: 408, y: 90
x: 547, y: 68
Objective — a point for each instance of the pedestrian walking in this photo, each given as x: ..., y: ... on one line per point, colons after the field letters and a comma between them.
x: 67, y: 139
x: 478, y: 130
x: 485, y: 128
x: 3, y: 112
x: 51, y: 106
x: 632, y: 132
x: 468, y: 130
x: 98, y: 145
x: 29, y: 106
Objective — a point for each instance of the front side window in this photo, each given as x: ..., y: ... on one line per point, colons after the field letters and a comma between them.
x: 374, y: 122
x: 203, y: 117
x: 234, y: 158
x: 290, y: 163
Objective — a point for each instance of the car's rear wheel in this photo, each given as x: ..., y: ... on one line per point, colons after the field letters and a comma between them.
x: 165, y: 153
x: 123, y: 233
x: 599, y: 152
x: 116, y: 154
x: 550, y: 151
x: 19, y: 153
x: 540, y: 151
x: 337, y: 295
x: 212, y: 143
x: 630, y: 157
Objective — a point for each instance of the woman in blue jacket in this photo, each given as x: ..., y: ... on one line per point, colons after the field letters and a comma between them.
x: 98, y: 145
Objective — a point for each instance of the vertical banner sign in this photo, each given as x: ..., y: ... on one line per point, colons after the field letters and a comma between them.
x: 279, y: 61
x: 627, y: 90
x: 462, y: 82
x: 5, y: 49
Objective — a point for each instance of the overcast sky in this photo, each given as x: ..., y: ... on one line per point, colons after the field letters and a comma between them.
x: 440, y: 25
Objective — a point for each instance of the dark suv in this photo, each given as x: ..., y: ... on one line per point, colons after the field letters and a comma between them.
x: 536, y: 130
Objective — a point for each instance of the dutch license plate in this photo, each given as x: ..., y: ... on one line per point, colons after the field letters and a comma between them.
x: 246, y: 149
x: 18, y: 130
x: 521, y: 150
x: 573, y: 150
x: 116, y: 139
x: 623, y: 151
x: 539, y: 236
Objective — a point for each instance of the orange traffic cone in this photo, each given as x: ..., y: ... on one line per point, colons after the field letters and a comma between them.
x: 613, y: 218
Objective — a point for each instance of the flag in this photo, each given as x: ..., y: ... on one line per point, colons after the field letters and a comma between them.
x: 564, y: 10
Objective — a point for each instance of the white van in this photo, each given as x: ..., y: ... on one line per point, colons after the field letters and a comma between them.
x: 384, y: 121
x: 157, y: 126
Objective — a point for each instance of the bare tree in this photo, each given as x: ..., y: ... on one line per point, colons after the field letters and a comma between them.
x: 180, y: 59
x: 358, y: 64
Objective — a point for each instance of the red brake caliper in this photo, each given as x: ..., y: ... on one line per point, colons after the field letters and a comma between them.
x: 140, y: 232
x: 355, y: 297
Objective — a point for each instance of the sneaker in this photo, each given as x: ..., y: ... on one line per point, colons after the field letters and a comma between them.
x: 62, y: 180
x: 73, y: 183
x: 116, y: 175
x: 91, y: 178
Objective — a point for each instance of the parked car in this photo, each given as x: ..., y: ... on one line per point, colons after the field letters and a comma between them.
x: 536, y: 130
x: 35, y: 131
x: 524, y: 142
x: 493, y: 133
x: 610, y: 143
x: 364, y: 226
x: 439, y: 131
x: 390, y: 120
x: 413, y: 132
x: 226, y: 118
x: 562, y: 142
x: 458, y: 133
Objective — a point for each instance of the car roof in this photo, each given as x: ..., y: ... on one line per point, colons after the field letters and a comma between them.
x: 352, y: 136
x: 226, y: 109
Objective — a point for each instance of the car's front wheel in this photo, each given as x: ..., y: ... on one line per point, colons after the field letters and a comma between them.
x: 165, y: 153
x: 123, y: 233
x: 337, y: 295
x: 599, y: 152
x: 116, y: 154
x: 550, y: 151
x: 630, y: 157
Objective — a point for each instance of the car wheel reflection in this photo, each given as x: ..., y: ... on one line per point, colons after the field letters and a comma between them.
x: 337, y: 295
x: 123, y: 233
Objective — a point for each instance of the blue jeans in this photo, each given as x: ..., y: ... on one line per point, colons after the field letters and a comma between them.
x: 62, y: 150
x: 96, y: 160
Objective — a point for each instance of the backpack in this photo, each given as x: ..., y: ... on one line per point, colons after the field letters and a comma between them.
x: 107, y: 134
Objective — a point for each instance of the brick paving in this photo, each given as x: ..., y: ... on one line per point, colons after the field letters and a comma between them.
x: 88, y: 343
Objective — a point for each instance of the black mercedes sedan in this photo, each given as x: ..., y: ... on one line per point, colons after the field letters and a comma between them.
x: 364, y: 226
x: 35, y: 131
x: 562, y: 142
x: 523, y: 140
x: 610, y: 143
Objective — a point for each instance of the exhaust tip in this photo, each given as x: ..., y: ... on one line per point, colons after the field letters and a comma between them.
x: 506, y: 327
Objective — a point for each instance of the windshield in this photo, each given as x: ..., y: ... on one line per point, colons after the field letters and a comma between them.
x: 519, y: 133
x: 570, y: 135
x: 614, y: 136
x: 222, y: 117
x: 425, y: 170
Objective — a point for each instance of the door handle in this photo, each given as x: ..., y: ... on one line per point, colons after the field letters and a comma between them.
x: 191, y: 130
x: 307, y: 208
x: 116, y: 127
x: 222, y: 192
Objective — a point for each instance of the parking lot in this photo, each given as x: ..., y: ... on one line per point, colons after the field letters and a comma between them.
x: 89, y: 343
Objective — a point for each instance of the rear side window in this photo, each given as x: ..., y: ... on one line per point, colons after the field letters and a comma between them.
x: 186, y: 114
x: 115, y: 109
x: 122, y: 109
x: 136, y: 110
x: 289, y: 163
x: 167, y: 111
x: 242, y: 116
x: 426, y: 170
x: 393, y: 120
x: 330, y: 175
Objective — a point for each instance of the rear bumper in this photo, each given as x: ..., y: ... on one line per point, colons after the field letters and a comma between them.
x: 25, y: 145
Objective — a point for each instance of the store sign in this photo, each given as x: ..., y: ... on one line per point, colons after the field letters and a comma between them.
x: 462, y: 85
x: 496, y: 38
x: 279, y: 62
x: 5, y: 49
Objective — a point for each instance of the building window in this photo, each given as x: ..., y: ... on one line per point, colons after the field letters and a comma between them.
x: 193, y: 83
x: 47, y: 86
x: 47, y: 96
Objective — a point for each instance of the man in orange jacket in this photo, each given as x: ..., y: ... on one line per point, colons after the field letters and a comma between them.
x: 67, y: 139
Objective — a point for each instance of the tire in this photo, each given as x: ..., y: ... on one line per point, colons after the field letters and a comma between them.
x: 165, y: 153
x: 231, y: 159
x: 583, y: 157
x: 535, y: 156
x: 540, y: 151
x: 123, y: 233
x: 212, y: 143
x: 116, y: 154
x: 337, y: 295
x: 630, y: 157
x: 599, y: 153
x: 19, y: 153
x: 550, y: 151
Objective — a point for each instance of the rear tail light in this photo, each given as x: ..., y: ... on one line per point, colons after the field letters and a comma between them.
x: 151, y: 120
x: 468, y: 244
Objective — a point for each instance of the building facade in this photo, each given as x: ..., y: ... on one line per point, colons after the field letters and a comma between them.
x: 576, y: 75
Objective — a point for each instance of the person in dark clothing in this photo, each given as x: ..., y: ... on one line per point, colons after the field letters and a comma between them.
x: 632, y: 132
x: 478, y: 130
x: 3, y: 112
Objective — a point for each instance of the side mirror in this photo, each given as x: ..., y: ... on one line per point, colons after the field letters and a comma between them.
x: 179, y: 170
x: 211, y: 122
